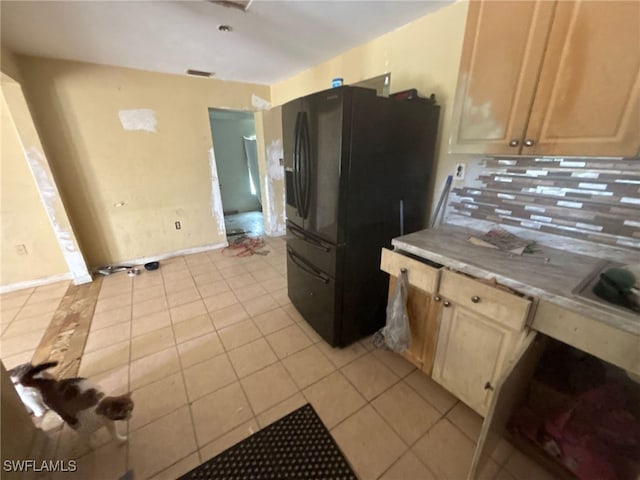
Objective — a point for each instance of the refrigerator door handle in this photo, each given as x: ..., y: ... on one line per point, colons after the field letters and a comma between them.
x: 306, y: 142
x: 305, y: 267
x: 314, y: 243
x: 296, y: 165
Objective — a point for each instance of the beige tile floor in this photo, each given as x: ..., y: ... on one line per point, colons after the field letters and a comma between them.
x: 213, y: 350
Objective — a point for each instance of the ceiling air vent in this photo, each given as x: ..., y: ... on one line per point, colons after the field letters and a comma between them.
x: 237, y: 4
x: 199, y: 73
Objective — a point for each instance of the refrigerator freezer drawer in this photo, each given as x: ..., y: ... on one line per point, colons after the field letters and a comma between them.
x: 313, y: 293
x: 319, y: 253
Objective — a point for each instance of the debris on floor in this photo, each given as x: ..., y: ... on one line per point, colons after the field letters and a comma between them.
x: 131, y: 270
x: 110, y: 269
x: 584, y: 414
x: 245, y: 246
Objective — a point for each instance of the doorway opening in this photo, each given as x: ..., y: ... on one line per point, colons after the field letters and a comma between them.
x: 236, y: 154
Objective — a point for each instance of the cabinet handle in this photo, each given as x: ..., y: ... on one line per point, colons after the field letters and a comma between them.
x: 488, y: 386
x: 528, y: 142
x: 437, y: 298
x: 446, y: 303
x: 514, y: 143
x: 475, y: 299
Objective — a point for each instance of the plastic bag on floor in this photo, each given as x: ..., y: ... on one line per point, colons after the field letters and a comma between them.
x: 397, y: 333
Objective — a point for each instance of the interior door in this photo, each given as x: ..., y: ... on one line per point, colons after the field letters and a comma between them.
x: 291, y: 114
x: 323, y: 150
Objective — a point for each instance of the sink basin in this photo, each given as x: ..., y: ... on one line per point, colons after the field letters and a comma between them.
x: 584, y: 290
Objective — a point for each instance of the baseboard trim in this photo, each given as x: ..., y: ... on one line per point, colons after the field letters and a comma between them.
x: 177, y: 253
x: 87, y: 279
x: 38, y: 282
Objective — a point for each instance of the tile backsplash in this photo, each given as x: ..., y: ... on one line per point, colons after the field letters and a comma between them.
x: 595, y: 199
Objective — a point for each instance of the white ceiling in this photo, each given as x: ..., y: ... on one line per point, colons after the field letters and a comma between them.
x: 270, y: 42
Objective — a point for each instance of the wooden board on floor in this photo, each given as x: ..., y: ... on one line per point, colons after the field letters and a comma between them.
x: 67, y: 333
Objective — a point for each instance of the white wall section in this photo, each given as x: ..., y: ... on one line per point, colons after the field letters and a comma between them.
x: 216, y: 198
x: 52, y: 204
x: 275, y: 224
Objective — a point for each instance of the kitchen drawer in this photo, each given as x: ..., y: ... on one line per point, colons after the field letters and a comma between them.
x: 420, y: 275
x: 506, y: 308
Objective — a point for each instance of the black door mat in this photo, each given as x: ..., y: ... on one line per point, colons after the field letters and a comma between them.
x: 298, y: 446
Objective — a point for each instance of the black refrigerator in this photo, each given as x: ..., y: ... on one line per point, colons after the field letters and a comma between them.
x: 357, y: 170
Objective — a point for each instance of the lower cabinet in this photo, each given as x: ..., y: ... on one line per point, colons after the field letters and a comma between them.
x: 473, y: 338
x: 423, y: 314
x: 422, y: 310
x: 510, y: 391
x: 470, y: 355
x: 481, y: 327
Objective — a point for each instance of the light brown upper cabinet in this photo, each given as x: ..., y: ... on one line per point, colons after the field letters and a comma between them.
x: 549, y: 78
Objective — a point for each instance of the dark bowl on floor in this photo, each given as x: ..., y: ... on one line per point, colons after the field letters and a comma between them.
x: 152, y: 265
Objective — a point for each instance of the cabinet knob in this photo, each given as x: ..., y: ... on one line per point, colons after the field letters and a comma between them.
x: 437, y: 298
x: 475, y: 299
x: 528, y: 142
x: 446, y: 303
x: 514, y: 143
x: 488, y: 386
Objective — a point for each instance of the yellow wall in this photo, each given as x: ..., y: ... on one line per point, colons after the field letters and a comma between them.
x: 9, y: 64
x: 157, y: 178
x: 165, y: 176
x: 424, y: 54
x: 23, y: 221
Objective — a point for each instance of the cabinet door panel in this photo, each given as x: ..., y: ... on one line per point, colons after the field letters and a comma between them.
x: 501, y: 57
x: 423, y: 321
x: 471, y: 351
x: 510, y: 391
x: 588, y: 97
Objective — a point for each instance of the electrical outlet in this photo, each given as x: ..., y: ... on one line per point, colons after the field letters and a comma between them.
x: 21, y: 249
x: 178, y: 225
x: 459, y: 171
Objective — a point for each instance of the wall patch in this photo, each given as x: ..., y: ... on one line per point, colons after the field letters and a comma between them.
x: 260, y: 103
x: 138, y: 119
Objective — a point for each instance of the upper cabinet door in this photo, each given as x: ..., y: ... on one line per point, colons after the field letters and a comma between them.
x: 588, y: 98
x: 503, y: 50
